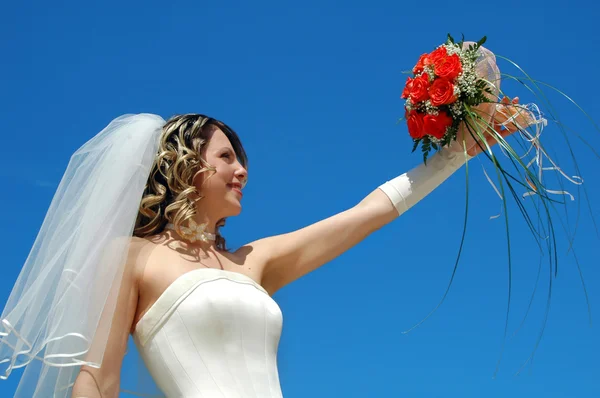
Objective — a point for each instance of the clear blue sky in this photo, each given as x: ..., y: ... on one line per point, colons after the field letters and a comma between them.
x: 313, y: 89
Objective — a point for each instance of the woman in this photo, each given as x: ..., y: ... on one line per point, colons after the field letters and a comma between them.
x: 201, y: 316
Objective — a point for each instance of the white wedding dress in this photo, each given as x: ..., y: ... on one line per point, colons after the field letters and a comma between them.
x: 212, y: 333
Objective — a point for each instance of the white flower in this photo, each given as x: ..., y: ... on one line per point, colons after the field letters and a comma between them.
x: 430, y: 109
x: 195, y: 232
x: 453, y: 48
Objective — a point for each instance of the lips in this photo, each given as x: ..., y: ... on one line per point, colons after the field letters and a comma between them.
x: 236, y: 187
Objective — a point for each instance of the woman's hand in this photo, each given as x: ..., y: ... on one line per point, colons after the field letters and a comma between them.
x: 506, y: 118
x: 511, y: 116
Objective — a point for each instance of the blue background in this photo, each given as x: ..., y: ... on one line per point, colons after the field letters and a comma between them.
x: 313, y: 89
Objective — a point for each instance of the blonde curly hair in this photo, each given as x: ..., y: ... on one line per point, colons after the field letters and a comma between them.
x: 169, y: 193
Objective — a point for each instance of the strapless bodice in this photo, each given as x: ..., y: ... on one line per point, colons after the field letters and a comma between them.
x: 212, y: 333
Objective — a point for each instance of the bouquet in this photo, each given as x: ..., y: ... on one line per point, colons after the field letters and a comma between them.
x: 439, y: 94
x: 453, y: 89
x: 453, y: 99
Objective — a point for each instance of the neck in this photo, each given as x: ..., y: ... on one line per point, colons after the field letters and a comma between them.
x: 204, y: 215
x: 197, y: 231
x: 211, y: 225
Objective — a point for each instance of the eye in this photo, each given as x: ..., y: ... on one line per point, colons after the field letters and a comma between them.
x: 226, y: 155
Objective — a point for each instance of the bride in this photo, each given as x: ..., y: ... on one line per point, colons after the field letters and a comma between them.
x: 131, y: 244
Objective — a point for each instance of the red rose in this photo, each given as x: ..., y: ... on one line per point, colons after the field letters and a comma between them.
x: 419, y: 88
x: 436, y: 125
x: 420, y: 64
x: 448, y: 67
x: 414, y: 120
x: 436, y: 55
x: 442, y: 92
x: 407, y: 88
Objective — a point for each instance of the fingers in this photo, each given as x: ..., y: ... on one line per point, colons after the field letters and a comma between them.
x: 506, y: 101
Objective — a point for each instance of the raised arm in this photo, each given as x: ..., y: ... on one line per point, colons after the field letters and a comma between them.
x: 292, y: 255
x: 105, y: 381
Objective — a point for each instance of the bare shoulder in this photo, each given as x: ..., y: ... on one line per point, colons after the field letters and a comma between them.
x: 254, y: 253
x: 254, y: 256
x: 134, y: 247
x: 137, y: 244
x: 252, y: 250
x: 139, y: 249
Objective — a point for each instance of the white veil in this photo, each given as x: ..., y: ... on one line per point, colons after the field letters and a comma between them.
x: 73, y: 272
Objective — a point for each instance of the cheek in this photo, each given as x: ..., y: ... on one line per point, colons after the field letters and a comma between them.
x: 205, y: 180
x: 213, y: 181
x: 201, y: 178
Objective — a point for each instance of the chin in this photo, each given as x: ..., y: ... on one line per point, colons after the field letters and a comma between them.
x: 233, y: 209
x: 237, y: 211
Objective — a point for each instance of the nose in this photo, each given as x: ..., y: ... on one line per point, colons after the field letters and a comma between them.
x: 242, y: 175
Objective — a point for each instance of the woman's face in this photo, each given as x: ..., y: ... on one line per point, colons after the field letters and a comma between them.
x: 221, y: 190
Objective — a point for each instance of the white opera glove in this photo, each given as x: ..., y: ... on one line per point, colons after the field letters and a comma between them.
x: 407, y: 189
